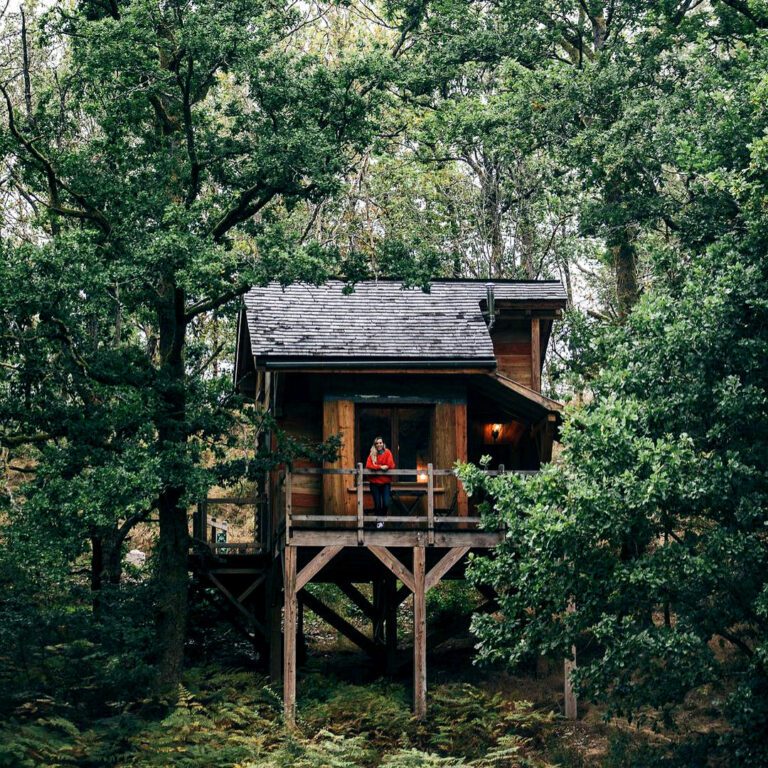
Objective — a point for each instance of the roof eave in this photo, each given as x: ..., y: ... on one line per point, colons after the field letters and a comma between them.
x: 372, y: 364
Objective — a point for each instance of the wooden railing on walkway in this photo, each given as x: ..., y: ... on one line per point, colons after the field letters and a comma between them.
x: 214, y: 532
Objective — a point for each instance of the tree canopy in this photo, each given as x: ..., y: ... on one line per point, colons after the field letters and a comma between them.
x: 158, y: 158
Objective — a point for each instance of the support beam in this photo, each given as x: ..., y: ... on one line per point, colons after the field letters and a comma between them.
x: 289, y: 639
x: 380, y: 606
x: 240, y: 607
x: 258, y: 581
x: 443, y: 566
x: 394, y: 565
x: 419, y: 634
x: 340, y: 624
x: 358, y: 598
x: 314, y: 566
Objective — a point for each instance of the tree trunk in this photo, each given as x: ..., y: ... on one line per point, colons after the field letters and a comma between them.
x: 106, y: 563
x: 526, y: 243
x: 624, y: 255
x: 621, y: 247
x: 172, y: 589
x: 173, y: 544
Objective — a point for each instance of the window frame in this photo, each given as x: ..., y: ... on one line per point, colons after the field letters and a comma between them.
x: 395, y: 415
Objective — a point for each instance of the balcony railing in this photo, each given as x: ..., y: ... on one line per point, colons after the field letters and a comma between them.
x: 428, y: 505
x: 407, y: 497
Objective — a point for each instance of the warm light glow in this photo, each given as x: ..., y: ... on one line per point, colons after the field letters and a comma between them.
x: 422, y: 477
x: 496, y: 431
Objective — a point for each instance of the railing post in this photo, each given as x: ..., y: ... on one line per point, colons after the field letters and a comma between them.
x: 502, y: 469
x: 204, y: 520
x: 288, y: 502
x: 360, y: 505
x: 430, y: 505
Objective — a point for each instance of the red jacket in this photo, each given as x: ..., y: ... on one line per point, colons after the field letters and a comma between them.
x: 382, y: 460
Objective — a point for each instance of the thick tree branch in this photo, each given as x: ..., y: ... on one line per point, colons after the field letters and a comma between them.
x: 218, y: 301
x: 133, y: 520
x: 247, y: 205
x: 189, y: 134
x: 12, y: 441
x: 54, y: 182
x: 743, y: 8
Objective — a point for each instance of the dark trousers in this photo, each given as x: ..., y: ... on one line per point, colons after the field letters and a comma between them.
x: 382, y: 496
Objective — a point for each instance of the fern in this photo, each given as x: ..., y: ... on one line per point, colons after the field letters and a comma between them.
x: 414, y: 758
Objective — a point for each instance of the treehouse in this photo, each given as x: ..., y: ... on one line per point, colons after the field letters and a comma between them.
x: 453, y: 374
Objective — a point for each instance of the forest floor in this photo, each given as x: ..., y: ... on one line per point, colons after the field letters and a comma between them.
x: 228, y: 716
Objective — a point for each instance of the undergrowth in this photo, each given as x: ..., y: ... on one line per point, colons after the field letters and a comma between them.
x: 233, y: 719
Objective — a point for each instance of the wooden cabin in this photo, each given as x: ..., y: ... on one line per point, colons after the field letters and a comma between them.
x: 453, y: 374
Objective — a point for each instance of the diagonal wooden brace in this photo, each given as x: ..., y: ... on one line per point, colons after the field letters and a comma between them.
x: 314, y: 566
x: 443, y: 566
x: 395, y: 566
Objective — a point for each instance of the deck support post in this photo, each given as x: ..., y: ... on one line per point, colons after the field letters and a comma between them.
x: 289, y: 639
x: 390, y: 622
x: 301, y: 640
x: 274, y: 614
x: 379, y: 608
x: 571, y: 706
x: 419, y: 634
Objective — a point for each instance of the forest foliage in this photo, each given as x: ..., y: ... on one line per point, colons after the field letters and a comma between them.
x: 160, y: 157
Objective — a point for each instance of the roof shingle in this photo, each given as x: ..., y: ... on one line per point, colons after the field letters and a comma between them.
x: 381, y: 320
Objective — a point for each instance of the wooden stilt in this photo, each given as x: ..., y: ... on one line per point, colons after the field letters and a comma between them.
x: 274, y: 612
x: 301, y: 641
x: 571, y: 707
x: 289, y: 639
x: 419, y: 634
x: 390, y: 622
x: 379, y: 608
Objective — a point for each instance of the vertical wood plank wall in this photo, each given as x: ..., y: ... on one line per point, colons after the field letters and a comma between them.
x: 304, y: 422
x: 512, y: 347
x: 450, y: 443
x: 339, y: 418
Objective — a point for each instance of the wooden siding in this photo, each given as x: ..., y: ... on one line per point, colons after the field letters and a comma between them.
x: 450, y: 441
x: 512, y: 347
x: 302, y: 421
x: 339, y: 418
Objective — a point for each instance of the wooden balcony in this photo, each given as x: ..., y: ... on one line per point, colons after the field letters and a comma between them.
x: 424, y: 512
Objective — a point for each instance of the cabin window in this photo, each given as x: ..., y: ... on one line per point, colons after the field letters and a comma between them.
x: 407, y: 431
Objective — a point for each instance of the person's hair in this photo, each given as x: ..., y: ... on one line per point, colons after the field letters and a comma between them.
x: 374, y: 452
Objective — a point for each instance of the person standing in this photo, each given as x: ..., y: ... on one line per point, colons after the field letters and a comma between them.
x: 380, y: 459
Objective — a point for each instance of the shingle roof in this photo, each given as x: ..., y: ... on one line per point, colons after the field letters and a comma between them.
x: 381, y: 320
